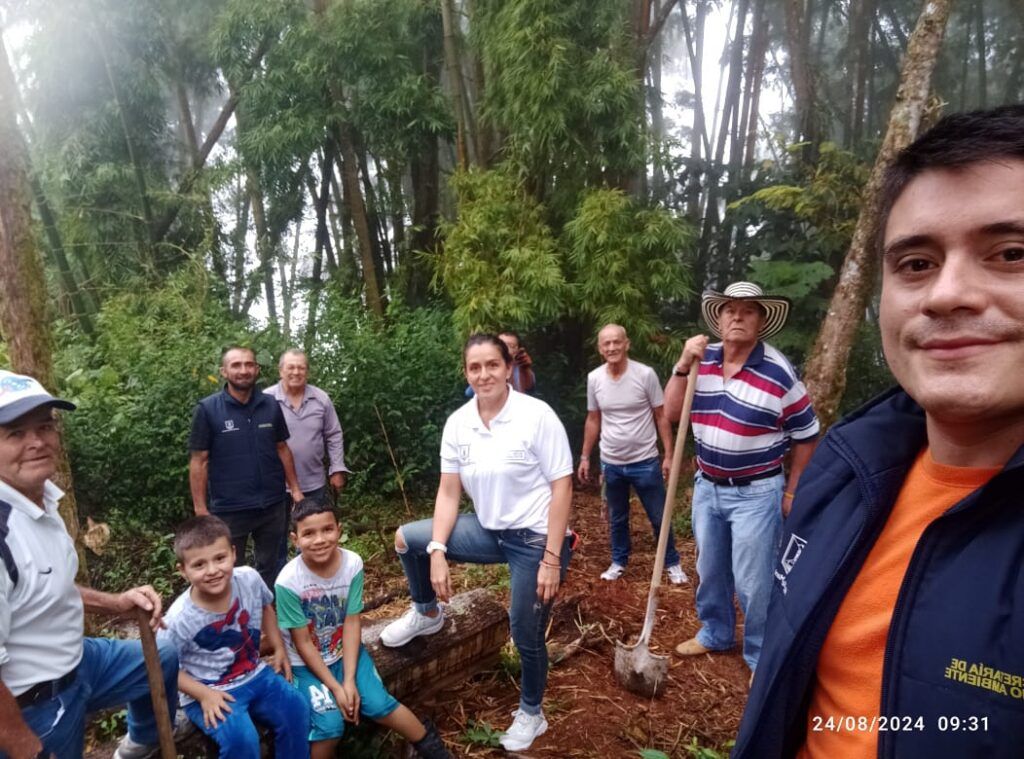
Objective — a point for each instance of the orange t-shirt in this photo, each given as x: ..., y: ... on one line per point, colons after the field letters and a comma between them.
x: 849, y: 674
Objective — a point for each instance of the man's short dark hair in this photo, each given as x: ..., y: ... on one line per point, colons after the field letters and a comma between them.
x: 310, y: 507
x: 199, y: 532
x: 956, y: 141
x: 246, y: 348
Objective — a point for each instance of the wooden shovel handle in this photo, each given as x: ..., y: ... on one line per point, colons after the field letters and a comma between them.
x: 673, y: 476
x: 157, y: 691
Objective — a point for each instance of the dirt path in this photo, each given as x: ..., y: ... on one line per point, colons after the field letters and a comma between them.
x: 589, y: 714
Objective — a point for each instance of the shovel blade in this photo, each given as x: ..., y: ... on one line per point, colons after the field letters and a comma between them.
x: 639, y: 671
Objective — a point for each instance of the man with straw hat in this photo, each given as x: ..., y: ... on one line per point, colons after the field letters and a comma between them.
x: 749, y: 410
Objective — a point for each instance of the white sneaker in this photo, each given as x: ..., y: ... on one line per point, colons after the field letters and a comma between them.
x: 676, y: 575
x: 410, y: 625
x: 129, y: 749
x: 525, y: 729
x: 614, y: 572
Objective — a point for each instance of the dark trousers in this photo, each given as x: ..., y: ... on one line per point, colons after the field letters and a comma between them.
x: 267, y: 528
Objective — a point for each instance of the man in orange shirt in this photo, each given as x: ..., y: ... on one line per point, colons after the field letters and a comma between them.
x: 896, y: 625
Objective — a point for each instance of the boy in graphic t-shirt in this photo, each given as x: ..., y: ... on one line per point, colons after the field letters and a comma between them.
x: 319, y: 601
x: 216, y: 626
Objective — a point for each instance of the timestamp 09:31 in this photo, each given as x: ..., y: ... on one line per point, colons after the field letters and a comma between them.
x: 892, y: 723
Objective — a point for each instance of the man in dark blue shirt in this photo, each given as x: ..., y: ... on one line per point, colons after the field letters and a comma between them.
x: 240, y: 462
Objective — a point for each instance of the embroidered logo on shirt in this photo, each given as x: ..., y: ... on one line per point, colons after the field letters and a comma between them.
x: 229, y: 425
x: 515, y: 455
x: 789, y: 557
x: 464, y: 452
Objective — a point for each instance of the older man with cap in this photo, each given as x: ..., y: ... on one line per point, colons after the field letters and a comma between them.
x: 749, y: 410
x: 50, y: 676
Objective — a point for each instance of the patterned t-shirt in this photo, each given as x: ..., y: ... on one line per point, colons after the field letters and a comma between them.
x: 305, y: 599
x: 221, y: 650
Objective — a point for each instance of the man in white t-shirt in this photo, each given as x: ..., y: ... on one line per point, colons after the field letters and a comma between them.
x: 50, y: 676
x: 625, y: 407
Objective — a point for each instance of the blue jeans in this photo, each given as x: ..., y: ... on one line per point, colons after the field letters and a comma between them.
x: 737, y: 531
x: 522, y: 550
x: 646, y: 479
x: 111, y: 673
x: 270, y: 700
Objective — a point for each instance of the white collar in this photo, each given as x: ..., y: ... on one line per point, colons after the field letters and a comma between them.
x: 501, y: 417
x: 51, y: 499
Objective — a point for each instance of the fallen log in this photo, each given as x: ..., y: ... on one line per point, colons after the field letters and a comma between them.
x: 475, y: 629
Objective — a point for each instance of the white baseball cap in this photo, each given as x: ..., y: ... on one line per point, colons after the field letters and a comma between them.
x: 20, y: 394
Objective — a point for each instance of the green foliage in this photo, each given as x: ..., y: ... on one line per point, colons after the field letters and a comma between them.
x: 804, y: 220
x: 112, y: 725
x: 651, y: 753
x: 393, y: 385
x: 703, y: 752
x: 479, y: 733
x: 627, y: 263
x: 563, y: 89
x: 501, y: 264
x: 157, y: 353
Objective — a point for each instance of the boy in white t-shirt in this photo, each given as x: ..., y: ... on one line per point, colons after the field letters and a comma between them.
x: 319, y: 601
x: 216, y: 626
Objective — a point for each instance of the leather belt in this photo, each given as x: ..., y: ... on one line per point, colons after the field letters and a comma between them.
x: 735, y: 482
x: 44, y: 691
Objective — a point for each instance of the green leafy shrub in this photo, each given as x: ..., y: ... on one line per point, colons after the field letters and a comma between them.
x: 394, y: 385
x: 156, y: 354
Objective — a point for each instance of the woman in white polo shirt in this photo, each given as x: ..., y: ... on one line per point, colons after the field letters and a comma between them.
x: 511, y: 455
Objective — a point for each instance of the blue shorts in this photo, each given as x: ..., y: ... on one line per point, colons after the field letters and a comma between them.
x: 326, y: 721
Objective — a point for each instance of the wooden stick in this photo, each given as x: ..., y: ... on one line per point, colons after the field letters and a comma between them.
x: 157, y: 689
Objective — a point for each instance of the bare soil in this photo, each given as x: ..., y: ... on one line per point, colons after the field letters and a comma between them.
x: 589, y: 714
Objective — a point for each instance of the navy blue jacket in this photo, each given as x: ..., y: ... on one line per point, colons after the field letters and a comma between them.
x: 956, y: 643
x: 245, y: 471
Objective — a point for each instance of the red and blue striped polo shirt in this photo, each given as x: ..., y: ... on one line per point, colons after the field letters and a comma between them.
x: 744, y: 426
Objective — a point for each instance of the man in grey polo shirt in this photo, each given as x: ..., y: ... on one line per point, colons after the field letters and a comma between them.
x: 625, y: 407
x: 314, y: 433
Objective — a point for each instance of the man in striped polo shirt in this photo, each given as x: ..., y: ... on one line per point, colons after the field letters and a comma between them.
x: 749, y: 410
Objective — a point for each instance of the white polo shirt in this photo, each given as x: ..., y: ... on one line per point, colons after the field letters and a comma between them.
x: 507, y: 470
x: 41, y: 618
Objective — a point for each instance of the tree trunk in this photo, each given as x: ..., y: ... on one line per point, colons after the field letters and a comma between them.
x: 803, y: 78
x: 264, y: 245
x: 139, y: 174
x: 466, y: 138
x: 24, y: 323
x: 353, y: 198
x: 825, y: 373
x: 699, y: 141
x: 758, y: 49
x: 858, y: 46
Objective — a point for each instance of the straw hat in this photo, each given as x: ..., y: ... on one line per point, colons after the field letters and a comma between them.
x: 776, y: 307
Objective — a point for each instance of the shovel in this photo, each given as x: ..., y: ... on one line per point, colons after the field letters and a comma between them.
x: 636, y: 668
x: 157, y: 693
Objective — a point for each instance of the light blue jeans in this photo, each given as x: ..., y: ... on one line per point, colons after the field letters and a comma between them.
x: 110, y: 674
x: 737, y: 531
x: 522, y: 550
x: 646, y: 478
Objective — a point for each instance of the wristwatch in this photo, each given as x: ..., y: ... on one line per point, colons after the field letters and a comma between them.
x: 677, y: 373
x: 434, y: 545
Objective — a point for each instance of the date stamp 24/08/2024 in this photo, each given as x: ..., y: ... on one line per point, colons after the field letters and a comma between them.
x: 848, y: 723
